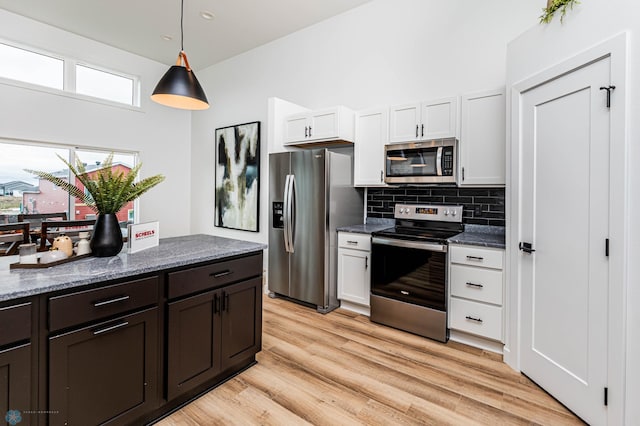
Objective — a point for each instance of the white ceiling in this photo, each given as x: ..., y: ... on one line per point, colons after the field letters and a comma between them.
x: 138, y: 26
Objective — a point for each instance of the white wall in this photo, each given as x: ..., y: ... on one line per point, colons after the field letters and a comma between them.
x: 385, y: 52
x: 545, y: 45
x: 162, y: 135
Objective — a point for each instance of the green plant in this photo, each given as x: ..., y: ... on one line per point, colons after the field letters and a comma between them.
x: 555, y: 5
x: 108, y: 190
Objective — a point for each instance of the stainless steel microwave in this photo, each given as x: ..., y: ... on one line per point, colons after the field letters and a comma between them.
x: 433, y: 161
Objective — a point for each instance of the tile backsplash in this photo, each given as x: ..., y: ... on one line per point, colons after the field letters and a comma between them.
x: 481, y: 206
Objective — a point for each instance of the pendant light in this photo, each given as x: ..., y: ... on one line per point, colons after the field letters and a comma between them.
x: 179, y: 87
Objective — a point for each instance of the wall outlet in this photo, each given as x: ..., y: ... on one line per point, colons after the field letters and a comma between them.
x: 477, y: 211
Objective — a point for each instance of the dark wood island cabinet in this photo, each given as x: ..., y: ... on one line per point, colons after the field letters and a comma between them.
x: 127, y: 351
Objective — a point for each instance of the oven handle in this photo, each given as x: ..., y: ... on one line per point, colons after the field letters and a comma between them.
x: 442, y: 248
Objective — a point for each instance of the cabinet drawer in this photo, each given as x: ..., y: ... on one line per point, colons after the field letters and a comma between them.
x: 481, y: 284
x: 354, y: 241
x: 476, y: 256
x: 15, y: 323
x: 206, y: 277
x: 476, y: 318
x: 90, y: 305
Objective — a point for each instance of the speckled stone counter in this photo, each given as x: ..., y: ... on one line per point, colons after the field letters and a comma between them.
x: 372, y: 225
x: 171, y: 253
x: 481, y: 235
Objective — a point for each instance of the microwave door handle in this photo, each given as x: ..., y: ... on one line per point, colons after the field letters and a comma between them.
x: 285, y: 214
x: 439, y: 162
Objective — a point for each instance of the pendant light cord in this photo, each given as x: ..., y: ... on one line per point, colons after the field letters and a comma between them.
x: 182, y: 26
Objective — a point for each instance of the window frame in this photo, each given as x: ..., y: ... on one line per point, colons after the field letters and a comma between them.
x: 69, y: 78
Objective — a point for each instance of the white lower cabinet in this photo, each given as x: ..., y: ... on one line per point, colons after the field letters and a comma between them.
x: 476, y: 294
x: 354, y: 279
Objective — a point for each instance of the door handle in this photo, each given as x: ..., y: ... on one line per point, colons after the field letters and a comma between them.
x: 478, y: 258
x: 285, y: 212
x: 470, y: 318
x: 292, y: 196
x: 526, y: 247
x: 221, y: 274
x: 110, y: 301
x: 110, y: 328
x: 417, y: 127
x: 305, y: 132
x: 366, y: 262
x: 422, y: 135
x: 475, y: 285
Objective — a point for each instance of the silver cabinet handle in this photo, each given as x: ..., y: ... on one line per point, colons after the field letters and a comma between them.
x: 475, y: 285
x: 473, y: 319
x: 475, y: 258
x: 220, y: 274
x: 110, y: 328
x: 366, y: 262
x: 110, y: 301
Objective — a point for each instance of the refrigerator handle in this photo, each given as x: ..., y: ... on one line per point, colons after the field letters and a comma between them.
x: 291, y: 213
x: 285, y: 213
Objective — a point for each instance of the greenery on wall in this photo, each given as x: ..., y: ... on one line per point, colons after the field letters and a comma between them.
x: 553, y: 6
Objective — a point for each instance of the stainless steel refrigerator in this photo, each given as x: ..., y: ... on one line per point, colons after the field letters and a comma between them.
x: 311, y: 193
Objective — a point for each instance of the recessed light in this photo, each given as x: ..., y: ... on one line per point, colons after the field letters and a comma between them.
x: 167, y: 37
x: 207, y: 15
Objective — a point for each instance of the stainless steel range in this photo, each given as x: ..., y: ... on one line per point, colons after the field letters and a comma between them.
x: 409, y: 269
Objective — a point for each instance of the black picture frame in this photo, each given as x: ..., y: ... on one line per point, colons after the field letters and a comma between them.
x: 237, y: 177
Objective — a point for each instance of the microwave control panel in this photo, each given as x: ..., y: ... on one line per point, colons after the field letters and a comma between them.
x: 447, y: 161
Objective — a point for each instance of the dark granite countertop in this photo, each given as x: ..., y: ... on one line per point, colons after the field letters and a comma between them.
x: 372, y: 225
x: 171, y: 253
x: 481, y: 235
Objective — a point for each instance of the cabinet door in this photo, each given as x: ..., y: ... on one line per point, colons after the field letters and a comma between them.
x: 324, y: 124
x: 372, y: 133
x: 439, y: 119
x: 193, y: 342
x: 296, y: 128
x: 15, y: 382
x: 354, y: 280
x: 104, y: 373
x: 404, y: 123
x: 482, y: 140
x: 241, y: 322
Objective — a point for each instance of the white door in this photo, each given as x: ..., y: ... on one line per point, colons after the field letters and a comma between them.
x: 565, y: 216
x: 482, y: 139
x: 324, y: 124
x: 404, y: 123
x: 372, y: 133
x: 354, y: 283
x: 296, y: 128
x: 439, y: 119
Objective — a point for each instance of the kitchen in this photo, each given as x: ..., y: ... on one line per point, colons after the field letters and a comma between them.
x: 346, y: 60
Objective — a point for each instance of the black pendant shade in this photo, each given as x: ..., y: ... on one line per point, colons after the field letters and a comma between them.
x: 179, y: 88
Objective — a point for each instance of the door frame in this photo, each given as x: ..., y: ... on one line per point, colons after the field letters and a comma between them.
x: 616, y: 49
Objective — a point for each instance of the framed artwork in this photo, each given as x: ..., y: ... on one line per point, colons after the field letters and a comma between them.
x: 237, y: 177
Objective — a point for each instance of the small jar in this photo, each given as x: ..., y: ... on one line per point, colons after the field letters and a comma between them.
x: 28, y: 254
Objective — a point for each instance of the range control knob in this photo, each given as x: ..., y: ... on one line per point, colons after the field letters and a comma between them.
x: 446, y: 212
x: 454, y: 213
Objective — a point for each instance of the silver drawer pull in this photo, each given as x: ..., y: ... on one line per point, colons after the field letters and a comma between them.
x: 220, y: 274
x: 110, y: 328
x: 473, y: 319
x: 110, y: 301
x: 475, y: 258
x: 355, y: 243
x: 475, y: 285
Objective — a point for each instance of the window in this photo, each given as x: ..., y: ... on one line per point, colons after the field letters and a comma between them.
x: 104, y: 85
x: 23, y: 193
x: 27, y: 66
x: 30, y: 67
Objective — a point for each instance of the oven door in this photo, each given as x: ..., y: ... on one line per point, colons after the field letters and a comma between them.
x: 409, y: 271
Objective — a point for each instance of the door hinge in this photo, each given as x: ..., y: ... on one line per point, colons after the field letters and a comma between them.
x: 606, y: 247
x: 606, y: 396
x: 609, y: 89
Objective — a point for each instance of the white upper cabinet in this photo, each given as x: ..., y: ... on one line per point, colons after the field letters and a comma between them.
x: 323, y: 125
x: 372, y: 133
x: 423, y: 121
x: 482, y: 139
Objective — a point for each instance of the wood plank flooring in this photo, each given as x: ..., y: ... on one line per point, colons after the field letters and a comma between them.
x: 341, y: 369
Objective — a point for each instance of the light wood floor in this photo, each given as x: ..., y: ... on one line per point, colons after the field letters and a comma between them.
x: 341, y: 369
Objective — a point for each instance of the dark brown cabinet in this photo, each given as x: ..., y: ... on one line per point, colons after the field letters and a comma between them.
x: 15, y: 360
x: 211, y: 333
x: 104, y: 373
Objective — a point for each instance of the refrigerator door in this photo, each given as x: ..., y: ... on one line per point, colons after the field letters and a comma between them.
x: 278, y: 280
x: 309, y: 266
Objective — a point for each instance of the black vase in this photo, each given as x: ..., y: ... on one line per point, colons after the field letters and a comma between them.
x: 107, y: 238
